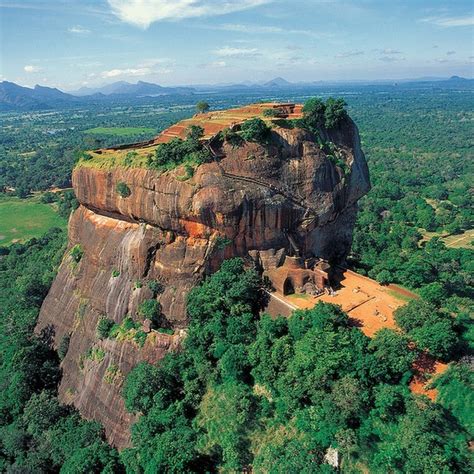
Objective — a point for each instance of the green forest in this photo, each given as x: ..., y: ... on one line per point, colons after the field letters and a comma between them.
x: 247, y: 391
x: 244, y: 390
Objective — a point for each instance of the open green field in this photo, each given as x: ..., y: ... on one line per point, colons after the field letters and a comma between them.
x: 461, y: 240
x: 23, y: 219
x: 119, y: 131
x: 453, y: 241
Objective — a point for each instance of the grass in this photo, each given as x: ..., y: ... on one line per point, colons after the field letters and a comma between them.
x: 454, y: 241
x: 109, y: 159
x: 465, y: 239
x: 400, y: 296
x: 23, y: 219
x: 119, y: 131
x: 302, y: 296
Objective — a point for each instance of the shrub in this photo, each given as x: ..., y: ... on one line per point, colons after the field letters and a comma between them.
x: 64, y: 346
x: 85, y: 156
x: 104, y: 327
x: 232, y: 137
x: 255, y: 130
x: 149, y: 309
x: 140, y: 337
x: 48, y: 197
x: 156, y: 287
x: 273, y: 112
x: 222, y: 242
x: 128, y: 323
x: 76, y: 253
x: 177, y: 151
x: 115, y: 273
x: 166, y: 331
x: 129, y: 158
x: 123, y: 190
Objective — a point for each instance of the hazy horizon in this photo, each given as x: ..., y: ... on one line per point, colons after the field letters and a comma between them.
x: 70, y: 44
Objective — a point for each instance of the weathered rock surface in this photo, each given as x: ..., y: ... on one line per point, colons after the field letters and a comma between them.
x: 248, y: 203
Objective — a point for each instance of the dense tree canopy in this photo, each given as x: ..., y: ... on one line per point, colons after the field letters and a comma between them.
x: 275, y: 394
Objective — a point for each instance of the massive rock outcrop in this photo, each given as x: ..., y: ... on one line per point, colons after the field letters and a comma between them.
x: 251, y: 202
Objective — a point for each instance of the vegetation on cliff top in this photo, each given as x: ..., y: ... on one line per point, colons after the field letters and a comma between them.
x: 191, y: 151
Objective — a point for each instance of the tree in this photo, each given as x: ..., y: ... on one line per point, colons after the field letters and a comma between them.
x: 140, y: 387
x: 255, y: 130
x: 438, y: 338
x: 202, y: 106
x: 225, y: 418
x: 391, y: 356
x: 313, y: 113
x: 430, y: 329
x: 434, y: 293
x: 96, y: 458
x: 415, y: 314
x: 41, y: 412
x: 335, y: 112
x: 194, y: 133
x: 384, y: 277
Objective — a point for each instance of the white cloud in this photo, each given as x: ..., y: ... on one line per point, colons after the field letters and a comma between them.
x: 218, y: 64
x: 391, y: 59
x: 250, y: 28
x: 138, y: 71
x: 156, y: 62
x: 79, y: 30
x: 214, y: 65
x: 348, y: 54
x: 446, y: 22
x: 229, y: 52
x: 30, y: 69
x: 259, y: 29
x: 143, y: 71
x: 390, y: 51
x: 145, y: 12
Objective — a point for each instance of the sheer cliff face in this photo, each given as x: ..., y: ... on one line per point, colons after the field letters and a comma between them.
x: 173, y: 230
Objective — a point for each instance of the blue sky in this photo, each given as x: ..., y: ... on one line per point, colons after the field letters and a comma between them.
x: 71, y: 43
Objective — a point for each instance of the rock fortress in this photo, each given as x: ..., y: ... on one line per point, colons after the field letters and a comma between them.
x: 286, y: 206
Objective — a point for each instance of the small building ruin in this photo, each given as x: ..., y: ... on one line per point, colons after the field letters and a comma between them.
x: 296, y: 275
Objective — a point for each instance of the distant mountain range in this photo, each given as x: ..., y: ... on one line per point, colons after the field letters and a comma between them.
x: 15, y: 97
x: 139, y: 89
